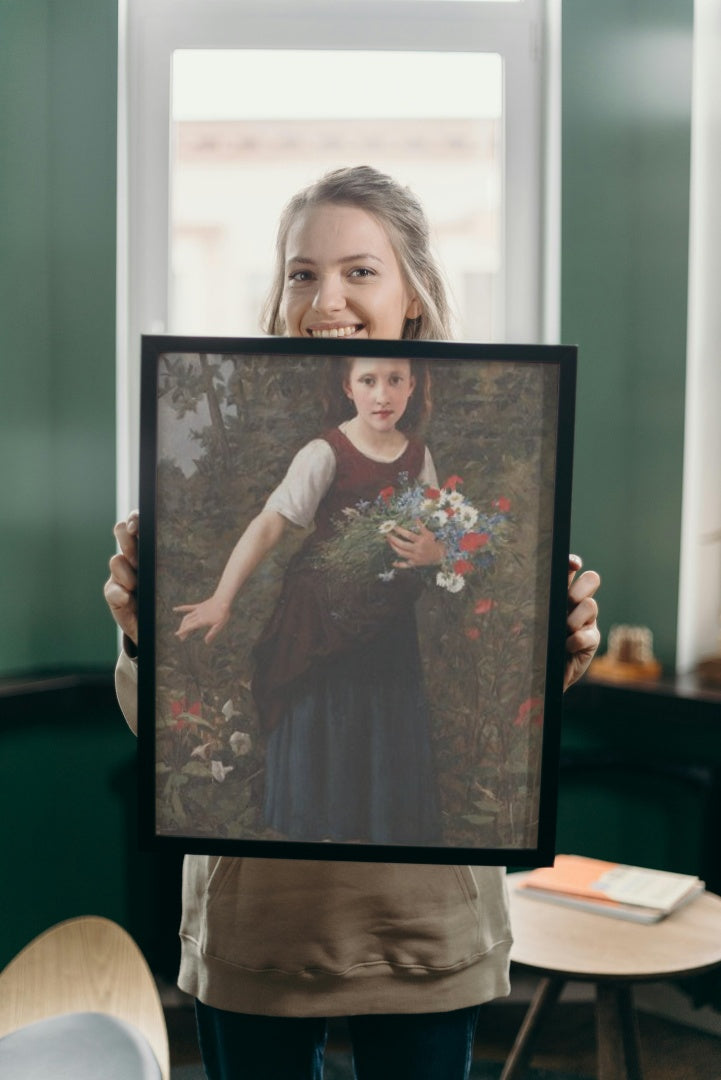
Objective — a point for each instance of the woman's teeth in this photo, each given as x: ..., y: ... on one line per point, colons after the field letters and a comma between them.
x: 337, y: 331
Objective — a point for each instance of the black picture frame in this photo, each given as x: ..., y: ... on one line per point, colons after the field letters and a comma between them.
x: 221, y: 419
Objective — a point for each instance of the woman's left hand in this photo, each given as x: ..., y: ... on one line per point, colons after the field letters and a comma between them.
x: 582, y: 633
x: 415, y: 548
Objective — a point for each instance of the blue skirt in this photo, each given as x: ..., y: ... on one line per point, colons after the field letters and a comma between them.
x: 351, y: 759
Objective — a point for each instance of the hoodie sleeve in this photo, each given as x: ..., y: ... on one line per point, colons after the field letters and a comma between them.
x: 126, y: 688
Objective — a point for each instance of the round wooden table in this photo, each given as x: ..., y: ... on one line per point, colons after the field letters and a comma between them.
x: 563, y: 944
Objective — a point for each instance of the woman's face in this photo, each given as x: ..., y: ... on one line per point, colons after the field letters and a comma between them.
x: 342, y: 277
x: 380, y: 390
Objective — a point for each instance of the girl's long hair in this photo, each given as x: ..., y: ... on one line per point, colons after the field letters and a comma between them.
x: 403, y: 217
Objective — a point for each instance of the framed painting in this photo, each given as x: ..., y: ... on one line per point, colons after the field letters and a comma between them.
x: 352, y: 597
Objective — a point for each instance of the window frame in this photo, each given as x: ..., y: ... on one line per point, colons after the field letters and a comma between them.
x: 526, y: 34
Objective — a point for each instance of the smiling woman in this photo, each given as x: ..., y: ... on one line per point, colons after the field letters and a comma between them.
x: 353, y: 259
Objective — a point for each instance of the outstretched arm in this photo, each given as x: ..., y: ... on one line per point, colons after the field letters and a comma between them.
x: 260, y: 537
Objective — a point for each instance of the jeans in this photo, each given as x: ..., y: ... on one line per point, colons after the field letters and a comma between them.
x: 414, y: 1046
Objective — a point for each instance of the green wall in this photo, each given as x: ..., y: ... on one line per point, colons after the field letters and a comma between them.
x: 626, y: 104
x: 67, y: 772
x: 58, y: 72
x: 625, y: 212
x: 625, y: 167
x: 626, y: 135
x: 68, y: 804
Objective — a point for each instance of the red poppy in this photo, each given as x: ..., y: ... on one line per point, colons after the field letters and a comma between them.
x: 462, y: 566
x: 452, y: 482
x: 387, y: 494
x: 484, y: 606
x: 473, y: 633
x: 503, y: 504
x: 180, y: 705
x: 473, y: 541
x: 431, y: 493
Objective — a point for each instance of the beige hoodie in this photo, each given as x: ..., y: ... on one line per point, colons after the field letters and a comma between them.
x: 285, y: 937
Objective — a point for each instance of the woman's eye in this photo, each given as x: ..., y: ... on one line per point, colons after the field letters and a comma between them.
x: 362, y: 272
x: 300, y: 276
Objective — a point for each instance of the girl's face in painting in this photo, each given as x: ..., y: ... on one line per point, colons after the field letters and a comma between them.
x: 342, y: 277
x: 380, y: 390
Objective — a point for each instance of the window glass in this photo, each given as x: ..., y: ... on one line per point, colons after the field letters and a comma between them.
x: 251, y: 127
x: 226, y: 108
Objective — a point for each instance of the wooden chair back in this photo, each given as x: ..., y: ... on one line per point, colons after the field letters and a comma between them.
x: 87, y: 964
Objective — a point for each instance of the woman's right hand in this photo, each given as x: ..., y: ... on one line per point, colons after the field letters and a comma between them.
x: 211, y: 612
x: 120, y: 589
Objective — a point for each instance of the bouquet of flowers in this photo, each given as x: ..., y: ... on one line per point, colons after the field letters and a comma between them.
x: 470, y: 538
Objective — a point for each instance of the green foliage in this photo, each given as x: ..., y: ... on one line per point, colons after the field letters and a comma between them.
x: 483, y: 649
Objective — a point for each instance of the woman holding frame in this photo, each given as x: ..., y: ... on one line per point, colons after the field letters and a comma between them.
x: 272, y: 948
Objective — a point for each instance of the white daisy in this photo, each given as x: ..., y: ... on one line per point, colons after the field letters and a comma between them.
x: 468, y: 516
x: 452, y: 582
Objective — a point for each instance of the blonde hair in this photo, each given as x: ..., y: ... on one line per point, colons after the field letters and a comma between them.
x: 402, y: 216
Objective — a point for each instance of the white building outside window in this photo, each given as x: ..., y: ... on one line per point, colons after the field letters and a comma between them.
x: 227, y: 107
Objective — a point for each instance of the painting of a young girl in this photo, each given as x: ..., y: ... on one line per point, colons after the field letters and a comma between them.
x: 338, y: 680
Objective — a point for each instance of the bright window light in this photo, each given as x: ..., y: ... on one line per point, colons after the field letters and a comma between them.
x: 238, y: 154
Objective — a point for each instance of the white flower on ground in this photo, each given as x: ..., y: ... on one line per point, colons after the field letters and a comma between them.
x: 387, y: 575
x: 229, y: 710
x: 203, y: 751
x: 220, y: 771
x: 240, y: 743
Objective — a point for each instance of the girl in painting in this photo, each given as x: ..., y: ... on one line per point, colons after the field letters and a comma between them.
x: 338, y: 680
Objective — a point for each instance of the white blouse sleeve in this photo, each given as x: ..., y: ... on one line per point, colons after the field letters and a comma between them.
x: 307, y: 480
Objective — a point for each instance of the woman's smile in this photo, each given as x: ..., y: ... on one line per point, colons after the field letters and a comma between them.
x: 334, y: 331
